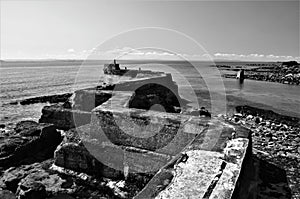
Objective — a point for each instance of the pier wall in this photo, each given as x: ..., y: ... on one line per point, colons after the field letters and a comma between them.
x: 116, y: 136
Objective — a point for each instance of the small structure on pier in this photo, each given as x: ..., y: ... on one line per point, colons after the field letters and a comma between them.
x: 241, y: 74
x: 112, y: 68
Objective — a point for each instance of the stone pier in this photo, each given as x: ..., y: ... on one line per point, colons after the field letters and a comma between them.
x: 136, y: 127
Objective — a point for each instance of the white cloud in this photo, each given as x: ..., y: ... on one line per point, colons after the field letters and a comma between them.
x: 148, y: 53
x: 71, y: 50
x: 254, y: 57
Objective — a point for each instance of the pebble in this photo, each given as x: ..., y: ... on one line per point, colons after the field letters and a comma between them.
x: 281, y: 143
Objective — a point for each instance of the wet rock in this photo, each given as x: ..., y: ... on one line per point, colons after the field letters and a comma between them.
x: 43, y: 180
x: 12, y: 176
x: 29, y: 142
x: 276, y: 139
x: 204, y: 112
x: 236, y: 119
x: 249, y: 117
x: 6, y: 194
x: 238, y: 115
x: 14, y: 103
x: 50, y: 99
x: 257, y: 120
x: 31, y: 190
x: 33, y: 181
x: 268, y: 135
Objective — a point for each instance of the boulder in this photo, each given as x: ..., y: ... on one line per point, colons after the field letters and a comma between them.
x: 33, y: 181
x: 12, y: 176
x: 43, y: 180
x: 29, y: 142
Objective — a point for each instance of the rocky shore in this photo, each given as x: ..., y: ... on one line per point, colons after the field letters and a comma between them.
x: 43, y: 99
x: 49, y: 160
x: 276, y: 140
x: 285, y: 73
x: 53, y: 158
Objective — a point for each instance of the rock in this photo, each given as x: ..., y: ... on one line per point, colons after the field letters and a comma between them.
x: 42, y: 180
x: 258, y: 120
x: 27, y: 128
x: 12, y: 176
x: 249, y: 117
x: 67, y: 105
x: 31, y: 190
x: 236, y: 119
x: 65, y: 196
x: 204, y: 112
x: 33, y: 181
x: 199, y: 112
x: 6, y: 194
x: 51, y: 98
x: 294, y: 143
x: 2, y: 126
x: 268, y: 135
x: 13, y: 103
x: 29, y: 142
x: 238, y: 115
x: 263, y: 123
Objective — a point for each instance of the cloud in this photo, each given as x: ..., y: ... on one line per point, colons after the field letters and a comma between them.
x: 71, y: 50
x: 149, y: 53
x: 133, y: 53
x: 254, y: 57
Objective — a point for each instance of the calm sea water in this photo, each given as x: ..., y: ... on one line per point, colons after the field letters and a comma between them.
x: 24, y: 81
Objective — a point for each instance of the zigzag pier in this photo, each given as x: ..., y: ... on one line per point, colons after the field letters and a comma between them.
x: 139, y: 129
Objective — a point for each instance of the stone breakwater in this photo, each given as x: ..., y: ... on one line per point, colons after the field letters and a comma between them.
x: 132, y: 139
x: 276, y: 139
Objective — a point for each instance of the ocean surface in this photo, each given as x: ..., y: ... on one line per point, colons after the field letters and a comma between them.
x: 20, y: 81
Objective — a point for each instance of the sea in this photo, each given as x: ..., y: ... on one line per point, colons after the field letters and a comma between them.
x: 200, y: 83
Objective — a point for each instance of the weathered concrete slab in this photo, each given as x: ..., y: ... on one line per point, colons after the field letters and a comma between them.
x: 80, y: 152
x: 202, y: 174
x: 88, y: 99
x: 216, y: 136
x: 193, y: 177
x: 64, y: 118
x: 162, y: 132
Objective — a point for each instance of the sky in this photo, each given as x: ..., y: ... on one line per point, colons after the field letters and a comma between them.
x: 77, y: 29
